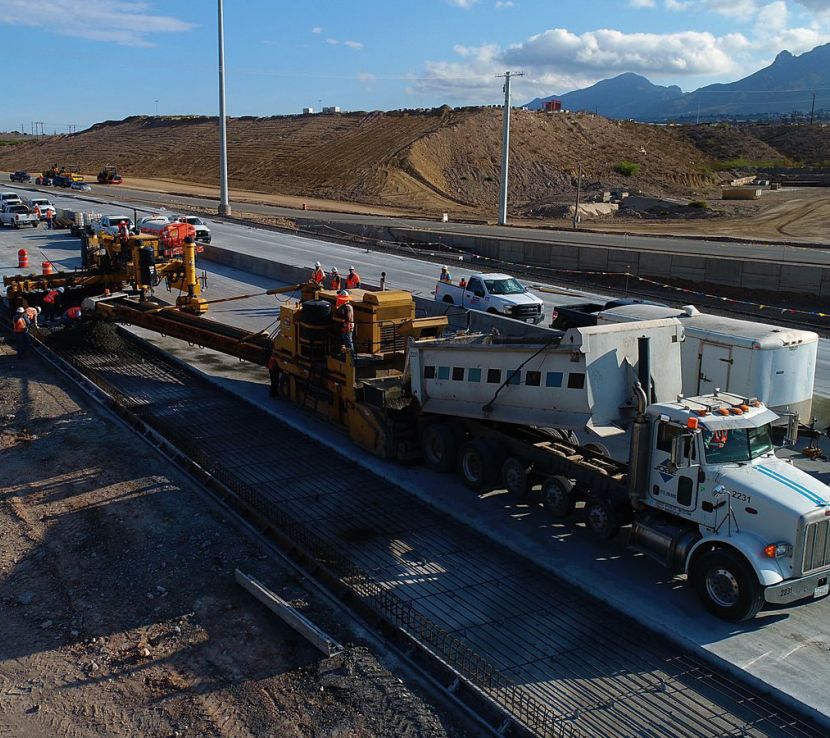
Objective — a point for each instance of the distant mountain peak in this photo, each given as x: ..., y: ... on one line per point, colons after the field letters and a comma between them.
x: 783, y: 56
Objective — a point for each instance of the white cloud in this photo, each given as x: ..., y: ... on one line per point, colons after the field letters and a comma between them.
x: 124, y: 22
x: 332, y: 41
x: 641, y: 3
x: 317, y: 29
x: 466, y: 4
x: 353, y: 44
x: 501, y: 4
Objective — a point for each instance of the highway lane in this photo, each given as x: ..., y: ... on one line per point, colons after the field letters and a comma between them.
x: 767, y: 649
x: 414, y: 274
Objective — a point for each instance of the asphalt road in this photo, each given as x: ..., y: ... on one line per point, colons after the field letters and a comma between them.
x: 785, y: 647
x: 416, y: 275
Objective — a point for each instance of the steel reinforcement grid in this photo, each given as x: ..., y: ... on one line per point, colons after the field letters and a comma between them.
x: 562, y: 663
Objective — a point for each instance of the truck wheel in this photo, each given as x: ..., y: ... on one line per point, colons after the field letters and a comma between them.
x: 727, y: 585
x: 597, y: 448
x: 449, y: 300
x: 558, y: 497
x: 514, y: 476
x: 601, y: 518
x: 440, y: 447
x: 479, y: 464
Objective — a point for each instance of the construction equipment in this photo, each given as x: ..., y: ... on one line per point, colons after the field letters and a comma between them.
x: 701, y: 487
x: 138, y: 264
x: 109, y: 175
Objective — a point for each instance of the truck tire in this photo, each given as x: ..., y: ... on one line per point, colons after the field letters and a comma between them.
x: 601, y: 518
x: 597, y: 448
x: 479, y: 465
x: 515, y: 475
x: 727, y: 585
x: 558, y: 497
x: 440, y: 447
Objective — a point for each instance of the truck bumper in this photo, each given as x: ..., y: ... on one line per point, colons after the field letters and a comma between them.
x: 792, y: 590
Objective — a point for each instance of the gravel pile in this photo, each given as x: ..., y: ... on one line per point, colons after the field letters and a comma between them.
x: 87, y: 335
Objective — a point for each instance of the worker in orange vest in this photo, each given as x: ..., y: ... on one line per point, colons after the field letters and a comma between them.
x: 344, y: 305
x: 52, y: 301
x: 21, y: 333
x: 49, y: 215
x: 123, y: 230
x: 334, y: 280
x: 462, y: 282
x: 445, y: 275
x: 72, y: 315
x: 318, y: 276
x: 352, y: 280
x: 37, y: 211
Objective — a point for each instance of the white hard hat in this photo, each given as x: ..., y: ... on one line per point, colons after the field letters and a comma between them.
x: 317, y: 264
x: 351, y: 269
x: 444, y: 269
x: 334, y: 270
x: 20, y: 310
x: 344, y: 293
x: 38, y: 310
x: 60, y: 289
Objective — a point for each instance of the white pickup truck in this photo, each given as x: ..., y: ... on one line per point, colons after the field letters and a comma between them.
x: 493, y: 293
x: 17, y: 215
x: 109, y: 224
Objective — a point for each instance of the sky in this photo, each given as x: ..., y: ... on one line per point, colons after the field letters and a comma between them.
x: 77, y: 62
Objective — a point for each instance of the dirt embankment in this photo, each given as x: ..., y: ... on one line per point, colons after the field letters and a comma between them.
x: 428, y: 161
x: 119, y: 610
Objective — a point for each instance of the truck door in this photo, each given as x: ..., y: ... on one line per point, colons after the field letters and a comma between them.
x: 674, y: 485
x: 715, y: 364
x: 474, y: 295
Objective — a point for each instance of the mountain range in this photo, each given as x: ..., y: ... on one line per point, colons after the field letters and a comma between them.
x: 785, y: 86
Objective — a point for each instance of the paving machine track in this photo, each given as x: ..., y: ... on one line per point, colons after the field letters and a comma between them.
x: 563, y: 663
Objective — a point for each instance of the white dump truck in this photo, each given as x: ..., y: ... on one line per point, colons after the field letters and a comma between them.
x: 777, y: 365
x: 702, y: 488
x: 500, y: 294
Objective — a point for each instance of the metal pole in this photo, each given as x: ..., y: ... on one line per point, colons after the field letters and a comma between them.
x: 578, y: 193
x: 505, y: 152
x: 224, y: 205
x: 813, y: 109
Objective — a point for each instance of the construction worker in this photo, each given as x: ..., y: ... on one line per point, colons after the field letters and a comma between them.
x: 318, y: 276
x: 462, y: 283
x: 37, y: 211
x: 352, y: 280
x: 49, y: 302
x: 31, y: 315
x: 334, y: 280
x: 344, y: 306
x: 445, y: 275
x: 49, y: 215
x: 21, y: 333
x: 72, y: 315
x: 123, y: 230
x: 274, y: 376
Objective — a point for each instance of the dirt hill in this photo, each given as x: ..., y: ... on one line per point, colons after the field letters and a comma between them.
x: 426, y: 161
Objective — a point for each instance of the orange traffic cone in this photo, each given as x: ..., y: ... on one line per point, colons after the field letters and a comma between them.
x: 22, y: 259
x: 47, y: 268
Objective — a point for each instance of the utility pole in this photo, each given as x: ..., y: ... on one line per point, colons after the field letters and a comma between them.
x: 157, y: 108
x: 505, y: 153
x: 813, y: 109
x: 224, y: 205
x: 578, y: 193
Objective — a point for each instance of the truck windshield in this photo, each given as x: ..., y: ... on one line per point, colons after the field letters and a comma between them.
x: 737, y: 445
x: 503, y: 286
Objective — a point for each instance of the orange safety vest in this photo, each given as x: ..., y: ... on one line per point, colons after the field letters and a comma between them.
x: 353, y: 281
x: 318, y: 276
x: 20, y: 324
x: 335, y: 283
x: 50, y: 296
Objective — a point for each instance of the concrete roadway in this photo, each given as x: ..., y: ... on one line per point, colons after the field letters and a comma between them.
x: 785, y: 648
x: 416, y: 275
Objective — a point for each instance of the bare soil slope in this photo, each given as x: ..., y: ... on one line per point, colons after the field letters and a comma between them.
x: 426, y: 161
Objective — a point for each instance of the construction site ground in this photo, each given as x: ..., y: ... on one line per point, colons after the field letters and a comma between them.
x: 783, y: 648
x: 120, y: 612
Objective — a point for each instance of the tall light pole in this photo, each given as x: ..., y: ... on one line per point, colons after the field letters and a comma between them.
x: 224, y: 205
x: 157, y: 108
x: 505, y: 152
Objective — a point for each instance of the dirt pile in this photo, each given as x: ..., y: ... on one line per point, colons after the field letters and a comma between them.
x: 421, y: 161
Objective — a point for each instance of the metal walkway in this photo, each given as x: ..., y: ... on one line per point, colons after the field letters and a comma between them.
x: 564, y: 663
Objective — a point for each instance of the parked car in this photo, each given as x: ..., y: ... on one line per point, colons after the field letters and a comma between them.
x: 20, y: 176
x: 44, y: 181
x: 80, y: 186
x: 202, y: 230
x: 9, y: 198
x: 17, y: 215
x: 493, y: 293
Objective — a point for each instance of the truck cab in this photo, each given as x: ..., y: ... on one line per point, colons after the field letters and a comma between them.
x: 109, y: 224
x: 757, y: 529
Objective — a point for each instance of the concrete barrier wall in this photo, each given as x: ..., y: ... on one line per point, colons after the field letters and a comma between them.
x: 458, y: 318
x: 758, y: 276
